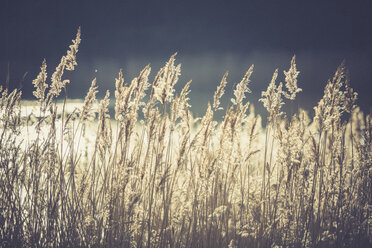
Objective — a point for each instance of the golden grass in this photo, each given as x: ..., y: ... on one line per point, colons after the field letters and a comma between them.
x: 77, y: 178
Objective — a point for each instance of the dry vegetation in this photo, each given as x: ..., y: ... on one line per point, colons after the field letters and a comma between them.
x: 168, y: 180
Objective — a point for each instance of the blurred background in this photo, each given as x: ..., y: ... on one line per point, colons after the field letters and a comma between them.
x: 211, y: 37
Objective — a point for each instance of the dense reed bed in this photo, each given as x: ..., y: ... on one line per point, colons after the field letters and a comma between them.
x: 83, y: 178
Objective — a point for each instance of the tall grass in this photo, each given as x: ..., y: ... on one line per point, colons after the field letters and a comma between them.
x: 82, y: 179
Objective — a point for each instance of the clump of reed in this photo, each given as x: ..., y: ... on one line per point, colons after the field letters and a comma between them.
x: 82, y: 178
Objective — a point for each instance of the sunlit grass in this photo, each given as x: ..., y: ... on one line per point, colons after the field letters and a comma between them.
x: 152, y: 175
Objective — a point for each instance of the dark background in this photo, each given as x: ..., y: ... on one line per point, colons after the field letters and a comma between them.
x: 210, y: 37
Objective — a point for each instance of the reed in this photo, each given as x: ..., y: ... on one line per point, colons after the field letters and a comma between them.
x: 81, y: 178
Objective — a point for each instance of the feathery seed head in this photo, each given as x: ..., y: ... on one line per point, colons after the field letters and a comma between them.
x: 332, y: 105
x: 165, y: 81
x: 183, y: 104
x: 219, y: 92
x: 242, y: 87
x: 68, y: 62
x: 71, y: 54
x: 105, y: 132
x: 90, y: 99
x: 291, y: 80
x: 39, y: 82
x: 272, y: 99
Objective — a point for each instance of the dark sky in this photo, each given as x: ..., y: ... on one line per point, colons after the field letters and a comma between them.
x: 210, y: 37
